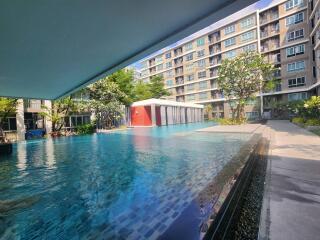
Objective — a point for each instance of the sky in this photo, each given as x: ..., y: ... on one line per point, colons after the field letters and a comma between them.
x: 258, y: 5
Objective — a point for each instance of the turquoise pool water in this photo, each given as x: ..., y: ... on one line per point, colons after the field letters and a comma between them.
x: 131, y: 184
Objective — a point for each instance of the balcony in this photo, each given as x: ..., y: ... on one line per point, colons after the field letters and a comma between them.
x: 32, y: 105
x: 214, y: 74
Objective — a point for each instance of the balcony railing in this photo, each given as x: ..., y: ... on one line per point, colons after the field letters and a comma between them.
x: 34, y: 104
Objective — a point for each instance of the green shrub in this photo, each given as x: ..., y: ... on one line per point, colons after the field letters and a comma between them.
x: 313, y: 122
x: 298, y: 120
x: 85, y: 129
x: 231, y: 121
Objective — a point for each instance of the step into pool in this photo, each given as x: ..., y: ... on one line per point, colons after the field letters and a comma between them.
x: 132, y: 184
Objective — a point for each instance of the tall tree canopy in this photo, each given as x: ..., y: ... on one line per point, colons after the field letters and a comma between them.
x: 242, y: 77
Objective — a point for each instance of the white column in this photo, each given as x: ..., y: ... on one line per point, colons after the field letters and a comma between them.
x: 48, y: 122
x: 21, y: 129
x: 153, y: 114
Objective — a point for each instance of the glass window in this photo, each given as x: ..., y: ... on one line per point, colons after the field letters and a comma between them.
x: 229, y: 29
x: 297, y: 50
x: 230, y: 54
x: 247, y: 36
x: 202, y: 74
x: 190, y: 87
x: 246, y: 23
x: 86, y: 119
x: 200, y: 41
x: 159, y: 67
x: 203, y: 96
x: 168, y: 55
x: 169, y: 82
x: 189, y: 57
x: 294, y: 19
x: 229, y: 42
x: 203, y: 85
x: 293, y: 3
x: 201, y: 63
x: 248, y: 48
x: 296, y: 82
x: 200, y: 53
x: 188, y: 46
x: 168, y: 64
x: 297, y: 96
x: 296, y: 66
x: 190, y: 97
x: 159, y: 59
x: 190, y: 77
x: 189, y: 66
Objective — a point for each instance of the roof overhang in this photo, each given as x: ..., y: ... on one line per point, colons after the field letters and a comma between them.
x: 162, y: 102
x: 49, y: 49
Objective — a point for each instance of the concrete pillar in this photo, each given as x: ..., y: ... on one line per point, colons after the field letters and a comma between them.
x: 153, y: 114
x: 21, y: 129
x: 48, y: 122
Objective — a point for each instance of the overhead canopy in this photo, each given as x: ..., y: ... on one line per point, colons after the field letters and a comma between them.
x: 49, y: 49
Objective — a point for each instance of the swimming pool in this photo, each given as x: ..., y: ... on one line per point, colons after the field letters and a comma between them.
x: 132, y: 184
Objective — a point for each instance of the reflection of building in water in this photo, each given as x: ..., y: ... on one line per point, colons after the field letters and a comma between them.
x: 49, y: 150
x: 22, y: 156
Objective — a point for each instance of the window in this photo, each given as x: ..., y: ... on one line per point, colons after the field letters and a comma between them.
x: 188, y: 46
x: 247, y: 36
x: 159, y: 67
x: 190, y: 87
x: 229, y: 29
x: 203, y: 85
x: 190, y: 97
x: 190, y: 77
x: 168, y: 55
x: 202, y: 74
x: 189, y: 66
x: 296, y: 66
x: 293, y: 3
x: 10, y: 124
x: 294, y: 19
x: 297, y: 50
x: 169, y: 73
x: 200, y: 53
x: 297, y: 96
x: 189, y: 57
x: 200, y: 42
x: 169, y: 82
x: 230, y: 54
x: 296, y: 82
x: 229, y: 42
x: 168, y: 64
x: 203, y: 96
x: 246, y: 23
x: 294, y: 35
x: 159, y: 59
x: 248, y: 48
x: 144, y: 64
x: 201, y: 63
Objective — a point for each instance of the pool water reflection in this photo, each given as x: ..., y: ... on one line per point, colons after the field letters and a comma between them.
x: 129, y: 184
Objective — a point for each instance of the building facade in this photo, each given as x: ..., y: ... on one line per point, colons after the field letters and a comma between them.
x: 285, y: 33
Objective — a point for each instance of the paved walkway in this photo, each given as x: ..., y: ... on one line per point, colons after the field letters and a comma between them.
x: 246, y: 128
x: 291, y: 207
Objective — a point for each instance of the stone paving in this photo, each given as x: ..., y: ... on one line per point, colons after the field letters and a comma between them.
x: 291, y: 206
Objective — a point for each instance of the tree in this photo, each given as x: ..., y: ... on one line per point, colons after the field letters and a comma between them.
x: 124, y: 79
x: 8, y: 106
x: 142, y: 91
x: 208, y: 110
x: 106, y: 101
x: 156, y: 87
x: 60, y: 109
x: 241, y: 78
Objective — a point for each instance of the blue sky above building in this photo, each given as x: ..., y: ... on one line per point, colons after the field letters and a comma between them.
x: 258, y: 5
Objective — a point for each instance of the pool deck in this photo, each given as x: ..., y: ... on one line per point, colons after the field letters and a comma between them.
x: 246, y: 128
x: 291, y: 205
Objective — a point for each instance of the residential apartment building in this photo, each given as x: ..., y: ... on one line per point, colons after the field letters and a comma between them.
x: 281, y: 32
